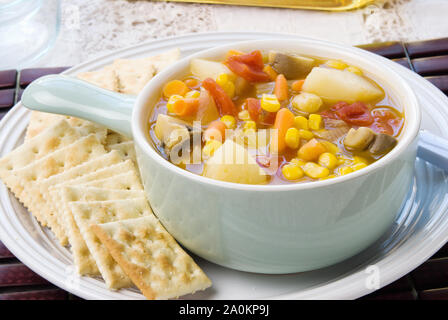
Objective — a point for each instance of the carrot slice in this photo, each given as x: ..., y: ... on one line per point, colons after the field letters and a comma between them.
x: 222, y: 100
x: 192, y: 83
x: 297, y: 85
x: 281, y: 88
x: 311, y: 150
x: 185, y: 107
x: 270, y: 71
x: 216, y: 130
x: 175, y: 87
x: 283, y: 121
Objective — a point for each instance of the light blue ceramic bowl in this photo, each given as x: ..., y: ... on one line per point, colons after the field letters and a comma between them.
x: 258, y: 228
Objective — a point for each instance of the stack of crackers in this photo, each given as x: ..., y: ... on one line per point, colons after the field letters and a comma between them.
x: 81, y: 181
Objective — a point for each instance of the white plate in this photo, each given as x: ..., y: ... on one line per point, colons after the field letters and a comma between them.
x: 419, y: 231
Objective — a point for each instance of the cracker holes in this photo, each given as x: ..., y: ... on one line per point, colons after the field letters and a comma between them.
x: 84, y: 252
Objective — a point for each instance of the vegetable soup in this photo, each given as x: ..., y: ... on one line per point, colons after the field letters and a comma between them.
x: 273, y: 118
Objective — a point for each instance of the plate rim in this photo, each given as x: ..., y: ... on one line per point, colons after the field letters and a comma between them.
x: 351, y: 288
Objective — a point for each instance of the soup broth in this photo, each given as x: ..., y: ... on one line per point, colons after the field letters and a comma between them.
x: 295, y: 118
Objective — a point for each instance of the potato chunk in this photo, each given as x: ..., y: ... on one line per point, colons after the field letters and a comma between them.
x: 171, y: 131
x: 207, y: 69
x: 359, y: 139
x: 233, y: 163
x: 334, y: 85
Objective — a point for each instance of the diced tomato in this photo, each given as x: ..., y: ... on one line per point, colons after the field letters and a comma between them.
x: 357, y: 113
x: 257, y: 114
x: 268, y: 118
x: 329, y: 114
x: 380, y: 120
x: 254, y: 108
x: 222, y: 100
x: 382, y: 127
x: 386, y: 121
x: 248, y: 66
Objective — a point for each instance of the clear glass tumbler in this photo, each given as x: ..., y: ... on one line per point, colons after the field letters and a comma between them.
x: 28, y: 29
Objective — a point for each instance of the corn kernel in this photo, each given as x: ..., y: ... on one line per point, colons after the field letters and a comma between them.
x: 193, y: 94
x: 343, y: 160
x: 315, y: 122
x: 298, y: 162
x: 307, y: 102
x: 233, y: 52
x: 344, y: 170
x: 270, y: 103
x: 331, y: 147
x: 292, y: 138
x: 226, y: 84
x: 306, y: 134
x: 222, y: 79
x: 331, y: 176
x: 358, y: 166
x: 229, y: 121
x: 358, y: 159
x: 300, y: 122
x: 171, y: 101
x: 336, y: 64
x: 354, y: 70
x: 229, y: 88
x: 315, y: 171
x: 271, y: 72
x: 210, y: 147
x: 249, y: 125
x: 328, y: 160
x: 292, y: 172
x: 244, y: 115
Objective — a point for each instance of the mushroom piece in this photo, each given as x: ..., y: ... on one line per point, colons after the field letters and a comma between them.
x: 338, y: 129
x: 176, y: 136
x: 332, y: 135
x: 291, y: 66
x: 382, y: 144
x: 171, y: 131
x: 359, y: 139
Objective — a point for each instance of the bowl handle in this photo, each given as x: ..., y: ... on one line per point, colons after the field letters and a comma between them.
x: 433, y: 149
x: 73, y: 97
